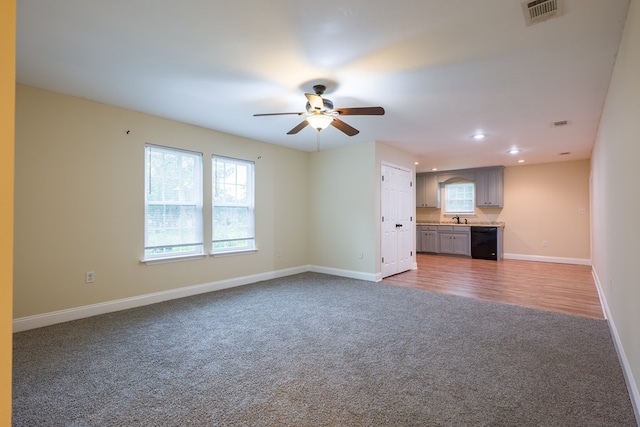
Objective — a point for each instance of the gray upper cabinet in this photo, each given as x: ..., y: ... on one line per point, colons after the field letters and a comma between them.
x: 489, y: 187
x: 427, y: 190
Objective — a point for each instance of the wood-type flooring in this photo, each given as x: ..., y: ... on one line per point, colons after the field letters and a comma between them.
x: 564, y: 288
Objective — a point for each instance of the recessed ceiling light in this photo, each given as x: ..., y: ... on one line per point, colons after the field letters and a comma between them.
x: 416, y: 163
x: 521, y: 161
x: 514, y: 151
x: 565, y: 153
x: 479, y: 136
x: 434, y: 169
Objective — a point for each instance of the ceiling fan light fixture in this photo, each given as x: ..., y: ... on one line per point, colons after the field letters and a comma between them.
x: 320, y: 114
x: 319, y: 121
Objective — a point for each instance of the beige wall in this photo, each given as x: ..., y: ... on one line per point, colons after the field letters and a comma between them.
x: 616, y: 200
x: 341, y: 196
x: 541, y: 203
x: 79, y: 204
x: 345, y: 206
x: 7, y: 90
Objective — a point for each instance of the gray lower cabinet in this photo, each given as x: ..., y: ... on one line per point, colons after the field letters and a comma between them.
x: 444, y: 239
x: 429, y: 239
x: 454, y: 240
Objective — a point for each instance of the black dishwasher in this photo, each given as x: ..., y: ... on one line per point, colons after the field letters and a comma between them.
x: 484, y: 242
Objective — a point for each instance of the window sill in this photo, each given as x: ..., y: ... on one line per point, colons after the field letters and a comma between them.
x: 229, y: 253
x: 152, y: 261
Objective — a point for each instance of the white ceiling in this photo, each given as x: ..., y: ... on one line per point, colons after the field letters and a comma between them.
x: 442, y: 69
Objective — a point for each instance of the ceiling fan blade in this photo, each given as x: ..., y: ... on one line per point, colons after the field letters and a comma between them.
x: 315, y: 101
x: 349, y: 130
x: 276, y: 114
x: 362, y: 111
x: 298, y: 128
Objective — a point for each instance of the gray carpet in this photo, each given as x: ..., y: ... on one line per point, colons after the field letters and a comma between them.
x: 318, y: 350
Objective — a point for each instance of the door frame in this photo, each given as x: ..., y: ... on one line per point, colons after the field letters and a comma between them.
x: 412, y: 208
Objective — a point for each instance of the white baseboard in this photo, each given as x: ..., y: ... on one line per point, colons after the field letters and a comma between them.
x: 634, y: 393
x: 40, y: 320
x: 379, y: 277
x: 31, y: 322
x: 46, y: 319
x: 370, y: 277
x: 541, y: 258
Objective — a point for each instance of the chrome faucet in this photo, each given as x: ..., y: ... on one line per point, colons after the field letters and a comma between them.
x: 456, y: 218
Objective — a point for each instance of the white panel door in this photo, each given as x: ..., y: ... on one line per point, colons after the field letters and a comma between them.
x: 405, y: 213
x: 389, y: 201
x: 396, y: 220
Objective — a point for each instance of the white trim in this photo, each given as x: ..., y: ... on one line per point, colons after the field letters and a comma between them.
x: 541, y: 258
x: 634, y: 393
x: 152, y: 261
x: 40, y: 320
x: 370, y: 277
x: 378, y: 276
x: 234, y: 252
x: 601, y: 297
x: 46, y: 319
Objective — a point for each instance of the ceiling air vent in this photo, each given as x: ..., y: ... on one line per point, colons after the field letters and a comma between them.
x: 540, y: 10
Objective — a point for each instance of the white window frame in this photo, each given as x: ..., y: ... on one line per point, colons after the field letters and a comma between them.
x: 457, y: 194
x: 238, y: 184
x: 183, y: 193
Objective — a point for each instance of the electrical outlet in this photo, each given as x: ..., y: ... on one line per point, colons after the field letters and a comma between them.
x: 279, y: 254
x: 89, y: 277
x: 582, y: 210
x: 545, y: 243
x: 360, y: 255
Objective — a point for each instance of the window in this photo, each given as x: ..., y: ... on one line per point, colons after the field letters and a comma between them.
x: 460, y: 198
x: 173, y: 203
x: 233, y: 205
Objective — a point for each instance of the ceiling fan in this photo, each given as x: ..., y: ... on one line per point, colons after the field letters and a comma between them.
x: 320, y: 113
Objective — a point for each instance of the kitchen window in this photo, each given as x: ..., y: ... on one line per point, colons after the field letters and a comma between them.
x: 233, y: 215
x: 460, y: 198
x: 173, y: 203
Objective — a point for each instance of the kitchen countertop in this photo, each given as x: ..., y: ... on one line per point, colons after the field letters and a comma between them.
x: 470, y: 224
